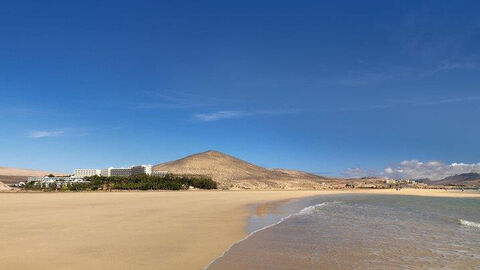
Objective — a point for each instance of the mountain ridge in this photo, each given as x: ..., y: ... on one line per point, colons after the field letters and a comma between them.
x: 460, y: 179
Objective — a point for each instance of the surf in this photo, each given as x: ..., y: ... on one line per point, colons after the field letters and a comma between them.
x: 305, y: 211
x: 469, y: 223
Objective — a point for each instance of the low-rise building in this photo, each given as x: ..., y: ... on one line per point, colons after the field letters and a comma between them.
x: 390, y: 181
x: 58, y: 180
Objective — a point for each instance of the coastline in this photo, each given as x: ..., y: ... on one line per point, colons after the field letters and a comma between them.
x: 138, y: 230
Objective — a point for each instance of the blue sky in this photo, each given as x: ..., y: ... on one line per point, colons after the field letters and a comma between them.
x: 320, y: 86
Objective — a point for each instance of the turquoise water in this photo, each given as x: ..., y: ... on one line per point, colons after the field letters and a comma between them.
x: 362, y: 232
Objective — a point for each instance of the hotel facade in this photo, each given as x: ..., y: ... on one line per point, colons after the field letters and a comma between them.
x: 81, y: 173
x: 112, y: 171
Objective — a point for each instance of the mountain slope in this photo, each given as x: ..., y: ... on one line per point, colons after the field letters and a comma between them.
x: 232, y: 173
x: 15, y: 175
x: 424, y: 180
x: 466, y: 179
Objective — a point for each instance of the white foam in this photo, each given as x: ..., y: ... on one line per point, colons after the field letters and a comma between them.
x: 305, y: 211
x: 469, y: 223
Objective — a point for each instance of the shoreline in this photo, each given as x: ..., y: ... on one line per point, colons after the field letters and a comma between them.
x: 139, y: 230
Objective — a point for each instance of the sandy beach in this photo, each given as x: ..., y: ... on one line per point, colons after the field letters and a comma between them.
x: 135, y: 230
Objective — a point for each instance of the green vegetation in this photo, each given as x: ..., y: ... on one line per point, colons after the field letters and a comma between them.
x: 34, y: 186
x: 136, y: 182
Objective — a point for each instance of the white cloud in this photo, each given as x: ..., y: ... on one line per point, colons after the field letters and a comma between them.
x: 42, y: 134
x: 71, y: 132
x: 433, y: 101
x: 364, y: 79
x: 447, y: 101
x: 415, y: 169
x: 179, y: 100
x: 229, y: 114
x: 219, y: 115
x: 389, y: 170
x: 358, y: 172
x: 434, y: 170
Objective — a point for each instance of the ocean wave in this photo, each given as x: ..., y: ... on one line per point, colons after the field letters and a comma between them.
x: 469, y: 223
x: 305, y: 211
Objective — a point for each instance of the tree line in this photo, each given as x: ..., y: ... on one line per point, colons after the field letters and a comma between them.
x: 134, y: 182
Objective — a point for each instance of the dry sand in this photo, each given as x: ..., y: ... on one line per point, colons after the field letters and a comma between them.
x: 133, y: 230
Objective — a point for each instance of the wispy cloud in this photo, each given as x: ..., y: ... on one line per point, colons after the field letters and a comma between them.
x: 367, y: 77
x: 43, y: 133
x: 447, y: 101
x: 356, y: 79
x: 190, y: 101
x: 358, y: 172
x: 465, y: 63
x: 230, y: 114
x: 179, y: 100
x: 413, y: 103
x: 72, y: 132
x: 21, y: 111
x: 219, y: 115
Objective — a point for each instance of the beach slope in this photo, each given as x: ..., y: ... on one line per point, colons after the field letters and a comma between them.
x: 132, y: 230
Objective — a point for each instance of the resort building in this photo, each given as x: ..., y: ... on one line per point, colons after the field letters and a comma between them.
x: 119, y: 171
x: 142, y: 169
x: 80, y: 173
x: 112, y: 171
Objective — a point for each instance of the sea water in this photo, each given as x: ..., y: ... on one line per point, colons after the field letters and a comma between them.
x: 361, y: 232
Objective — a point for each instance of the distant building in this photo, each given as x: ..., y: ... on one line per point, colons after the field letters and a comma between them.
x: 119, y: 171
x: 81, y: 173
x: 390, y: 181
x: 142, y: 169
x: 159, y: 173
x: 59, y: 180
x: 112, y: 171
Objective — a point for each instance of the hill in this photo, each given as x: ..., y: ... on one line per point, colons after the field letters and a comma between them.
x: 232, y: 173
x: 465, y: 179
x: 15, y: 175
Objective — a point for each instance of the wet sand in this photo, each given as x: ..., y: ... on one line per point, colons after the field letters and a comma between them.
x: 358, y: 231
x: 135, y: 230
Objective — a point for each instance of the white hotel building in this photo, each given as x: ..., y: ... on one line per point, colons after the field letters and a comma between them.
x: 81, y: 173
x: 111, y: 171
